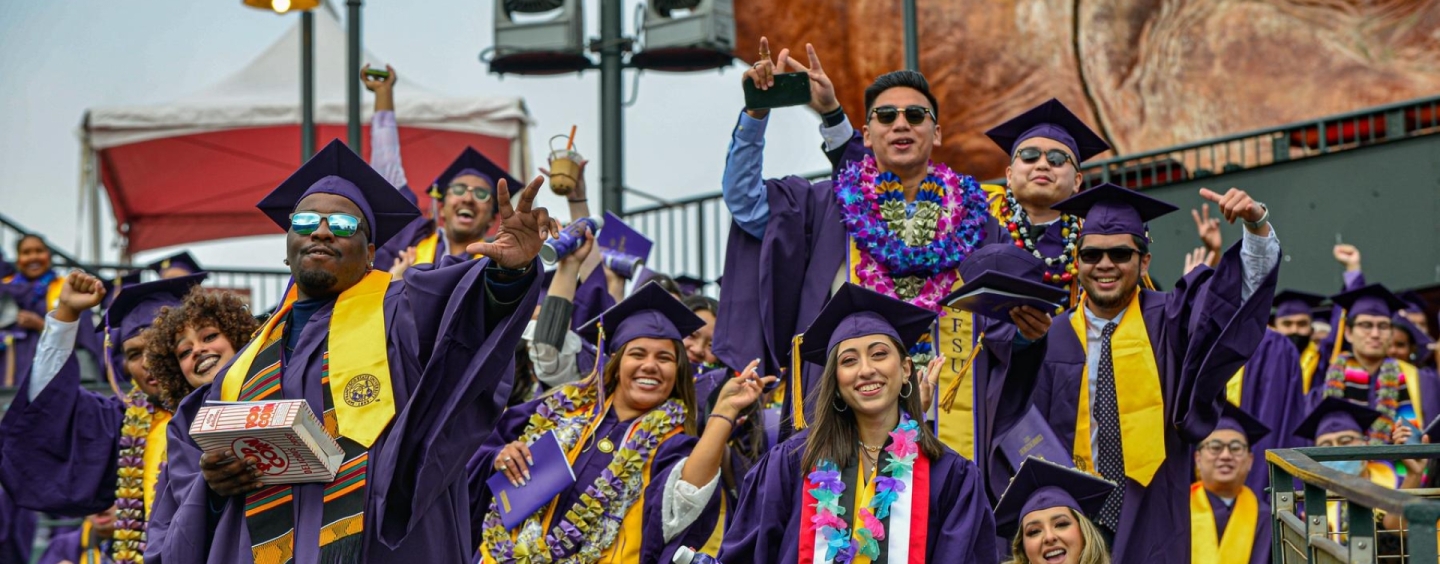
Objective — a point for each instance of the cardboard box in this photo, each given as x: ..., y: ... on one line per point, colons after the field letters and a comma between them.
x: 284, y: 435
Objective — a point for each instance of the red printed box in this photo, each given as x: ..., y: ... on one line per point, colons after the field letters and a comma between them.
x: 290, y: 444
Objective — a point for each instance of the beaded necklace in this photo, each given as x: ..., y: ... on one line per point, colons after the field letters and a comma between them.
x: 1059, y: 270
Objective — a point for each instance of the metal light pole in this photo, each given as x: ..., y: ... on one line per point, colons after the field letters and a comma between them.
x: 307, y: 86
x: 912, y: 42
x: 612, y: 117
x: 352, y: 17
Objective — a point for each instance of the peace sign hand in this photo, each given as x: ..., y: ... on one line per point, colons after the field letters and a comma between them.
x: 822, y: 91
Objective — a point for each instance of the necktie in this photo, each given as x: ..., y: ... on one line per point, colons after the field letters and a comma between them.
x: 1110, y: 460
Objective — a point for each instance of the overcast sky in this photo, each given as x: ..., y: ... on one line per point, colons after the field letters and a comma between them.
x: 59, y: 58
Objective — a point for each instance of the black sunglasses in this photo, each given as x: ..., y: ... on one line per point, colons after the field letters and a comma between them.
x: 1055, y: 157
x: 914, y: 114
x: 1118, y: 255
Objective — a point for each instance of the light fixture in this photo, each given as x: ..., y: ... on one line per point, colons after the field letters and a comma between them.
x: 687, y: 35
x: 539, y: 37
x: 283, y: 6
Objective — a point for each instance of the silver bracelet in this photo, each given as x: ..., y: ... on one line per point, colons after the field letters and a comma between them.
x: 1255, y: 226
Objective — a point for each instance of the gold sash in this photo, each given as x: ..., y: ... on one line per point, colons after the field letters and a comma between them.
x: 1142, y: 406
x: 425, y: 249
x: 360, y: 382
x: 1235, y: 387
x: 1309, y: 361
x: 1231, y: 546
x: 155, y: 455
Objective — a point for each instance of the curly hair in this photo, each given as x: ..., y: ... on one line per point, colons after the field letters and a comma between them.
x: 202, y: 308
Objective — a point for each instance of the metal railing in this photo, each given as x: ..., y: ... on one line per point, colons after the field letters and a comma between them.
x: 1303, y: 531
x: 698, y: 225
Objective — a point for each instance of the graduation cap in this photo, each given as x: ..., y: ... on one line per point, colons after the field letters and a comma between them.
x: 1112, y: 210
x: 181, y: 260
x: 1413, y: 301
x: 1295, y: 302
x: 1041, y: 484
x: 999, y: 278
x: 1421, y: 340
x: 1051, y: 120
x: 1333, y: 415
x: 650, y: 312
x: 855, y: 311
x: 1240, y: 421
x: 338, y: 170
x: 113, y: 286
x: 471, y: 162
x: 1374, y: 299
x: 135, y: 308
x: 689, y: 285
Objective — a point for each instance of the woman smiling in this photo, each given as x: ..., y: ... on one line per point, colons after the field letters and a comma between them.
x: 191, y: 343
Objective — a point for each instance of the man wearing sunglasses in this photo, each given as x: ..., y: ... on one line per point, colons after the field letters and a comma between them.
x: 409, y: 375
x: 1131, y: 376
x: 1228, y: 521
x: 794, y: 242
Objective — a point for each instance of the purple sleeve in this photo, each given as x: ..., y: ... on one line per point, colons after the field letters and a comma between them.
x: 765, y: 523
x: 63, y: 548
x: 59, y: 451
x: 181, y: 520
x: 962, y: 525
x: 482, y: 465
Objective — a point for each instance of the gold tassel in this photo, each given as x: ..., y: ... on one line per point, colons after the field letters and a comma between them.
x: 1339, y: 336
x: 948, y: 400
x: 797, y: 389
x: 9, y: 360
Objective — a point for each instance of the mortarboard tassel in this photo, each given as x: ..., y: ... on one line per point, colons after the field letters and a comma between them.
x: 9, y: 360
x: 110, y: 369
x: 948, y: 400
x: 797, y: 389
x: 1339, y: 336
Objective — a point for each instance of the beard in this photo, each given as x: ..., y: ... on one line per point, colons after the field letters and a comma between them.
x: 316, y: 282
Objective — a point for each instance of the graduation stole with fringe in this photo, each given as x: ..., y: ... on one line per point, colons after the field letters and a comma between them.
x: 1142, y: 407
x: 1208, y: 546
x: 358, y: 405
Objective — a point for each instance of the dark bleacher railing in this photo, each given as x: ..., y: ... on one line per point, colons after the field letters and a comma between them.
x: 690, y: 233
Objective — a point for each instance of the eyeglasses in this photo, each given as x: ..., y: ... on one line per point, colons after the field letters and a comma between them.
x: 1215, y: 447
x: 1118, y: 255
x: 341, y: 224
x: 1342, y: 440
x: 914, y: 114
x: 1055, y: 157
x: 481, y: 192
x: 1368, y: 326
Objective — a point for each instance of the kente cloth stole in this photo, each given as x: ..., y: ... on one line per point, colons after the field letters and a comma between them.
x: 358, y: 405
x: 1137, y: 391
x: 955, y: 340
x: 906, y: 529
x: 1233, y: 545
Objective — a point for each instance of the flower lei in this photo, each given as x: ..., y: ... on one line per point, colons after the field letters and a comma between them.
x: 1388, y: 395
x: 841, y: 546
x: 1017, y: 222
x: 914, y: 260
x: 589, y: 527
x: 130, y: 525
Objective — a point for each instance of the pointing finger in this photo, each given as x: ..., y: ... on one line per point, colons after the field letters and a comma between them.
x: 502, y: 199
x: 1209, y: 194
x: 814, y: 59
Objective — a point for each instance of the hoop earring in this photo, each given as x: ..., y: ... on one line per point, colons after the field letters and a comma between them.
x: 839, y: 408
x: 907, y: 390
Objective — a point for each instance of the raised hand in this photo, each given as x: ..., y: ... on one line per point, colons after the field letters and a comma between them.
x: 1208, y: 228
x: 822, y: 91
x: 571, y: 263
x: 1236, y: 204
x: 578, y: 194
x: 1348, y: 255
x: 403, y: 261
x: 930, y: 381
x: 79, y: 293
x: 377, y: 84
x: 741, y: 391
x: 762, y: 74
x: 1197, y: 257
x: 523, y: 228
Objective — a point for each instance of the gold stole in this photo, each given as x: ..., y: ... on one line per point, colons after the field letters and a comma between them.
x: 155, y: 456
x: 360, y: 384
x: 1209, y: 547
x: 1412, y: 386
x: 1309, y: 361
x: 425, y: 249
x: 52, y: 293
x: 1235, y: 387
x: 1142, y: 407
x: 957, y: 426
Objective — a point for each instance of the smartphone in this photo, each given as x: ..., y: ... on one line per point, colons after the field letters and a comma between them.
x: 381, y: 74
x: 1415, y: 432
x: 790, y: 89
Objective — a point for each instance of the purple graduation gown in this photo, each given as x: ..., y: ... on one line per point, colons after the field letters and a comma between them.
x: 58, y: 454
x: 588, y: 466
x: 27, y: 341
x: 1261, y: 553
x: 1201, y: 333
x: 17, y: 530
x: 766, y: 529
x: 1270, y: 391
x: 66, y: 547
x: 450, y: 364
x: 1004, y: 395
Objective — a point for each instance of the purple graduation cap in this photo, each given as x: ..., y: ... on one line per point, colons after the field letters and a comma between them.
x: 855, y: 311
x: 471, y: 162
x: 1051, y: 120
x: 1240, y: 421
x: 999, y: 278
x: 1295, y: 302
x: 1421, y: 340
x: 180, y: 261
x: 1112, y: 210
x: 618, y: 238
x: 689, y: 285
x: 1374, y: 299
x: 135, y: 308
x: 1041, y: 484
x: 1333, y: 415
x: 649, y: 312
x: 1413, y: 301
x: 338, y: 170
x: 113, y: 286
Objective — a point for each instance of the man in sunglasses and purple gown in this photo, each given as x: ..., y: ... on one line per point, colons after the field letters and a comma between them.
x: 393, y: 367
x: 794, y: 243
x: 1132, y: 377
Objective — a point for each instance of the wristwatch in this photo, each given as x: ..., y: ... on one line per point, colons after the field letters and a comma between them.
x: 1256, y: 225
